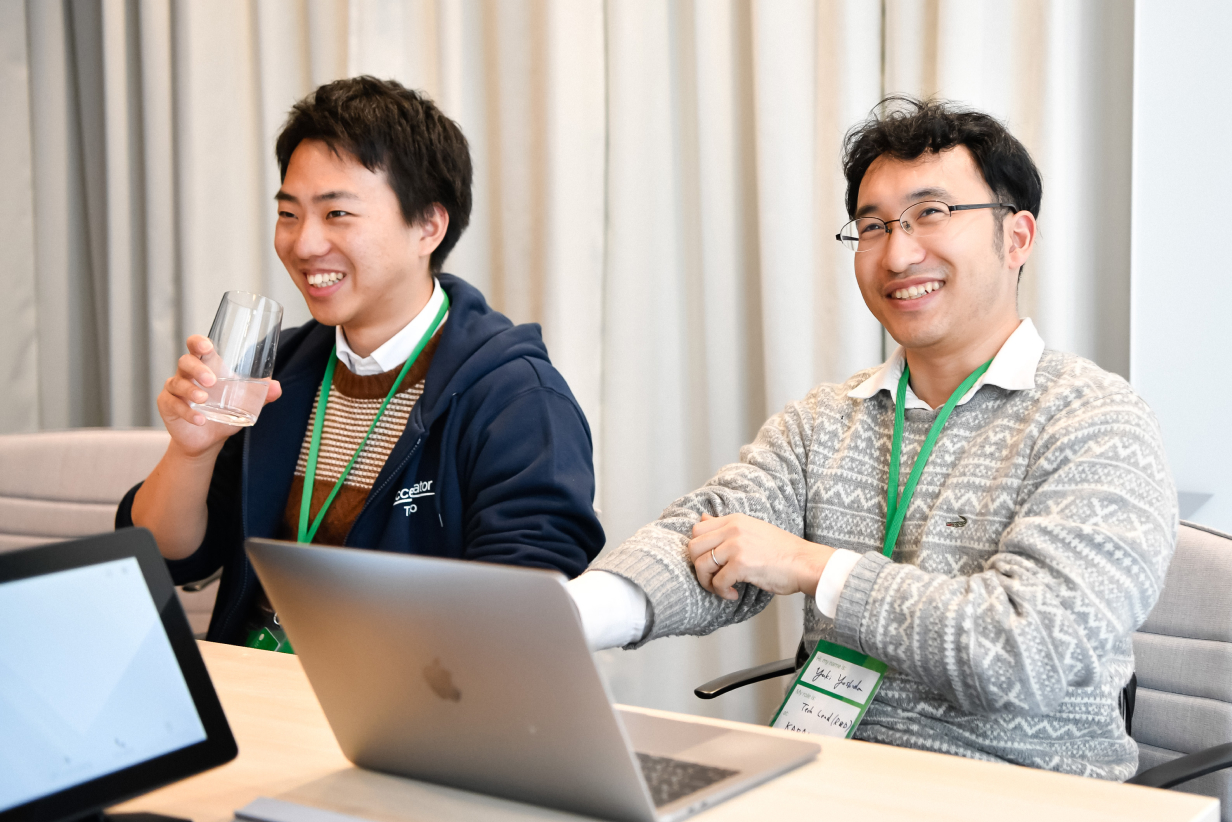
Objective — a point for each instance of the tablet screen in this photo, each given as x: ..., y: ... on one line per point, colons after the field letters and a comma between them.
x: 89, y: 683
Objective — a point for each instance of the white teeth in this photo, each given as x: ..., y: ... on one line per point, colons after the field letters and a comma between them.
x: 326, y: 279
x: 915, y: 291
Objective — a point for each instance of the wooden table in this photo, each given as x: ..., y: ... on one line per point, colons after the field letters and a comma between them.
x: 288, y: 752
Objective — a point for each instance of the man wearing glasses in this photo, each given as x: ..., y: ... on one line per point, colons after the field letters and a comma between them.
x: 989, y: 519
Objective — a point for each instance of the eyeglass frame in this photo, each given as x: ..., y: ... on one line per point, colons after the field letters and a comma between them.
x: 899, y: 220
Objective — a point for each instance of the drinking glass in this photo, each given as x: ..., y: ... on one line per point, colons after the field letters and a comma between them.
x: 245, y: 338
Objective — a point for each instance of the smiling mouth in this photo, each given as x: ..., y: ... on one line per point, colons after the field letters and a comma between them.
x: 326, y: 278
x: 914, y: 292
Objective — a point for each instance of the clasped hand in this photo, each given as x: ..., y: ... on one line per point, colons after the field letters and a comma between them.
x: 740, y: 548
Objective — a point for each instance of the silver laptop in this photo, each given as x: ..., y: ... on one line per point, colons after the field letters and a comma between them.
x: 478, y: 676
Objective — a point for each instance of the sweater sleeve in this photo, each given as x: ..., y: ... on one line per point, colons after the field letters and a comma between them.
x: 769, y: 483
x: 1077, y: 570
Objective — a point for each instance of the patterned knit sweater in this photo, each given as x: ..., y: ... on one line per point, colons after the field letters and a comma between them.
x: 1008, y: 639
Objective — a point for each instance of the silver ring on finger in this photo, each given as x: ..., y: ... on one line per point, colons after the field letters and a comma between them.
x: 717, y: 564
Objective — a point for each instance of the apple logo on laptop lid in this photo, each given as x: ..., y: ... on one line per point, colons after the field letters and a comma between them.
x: 441, y: 681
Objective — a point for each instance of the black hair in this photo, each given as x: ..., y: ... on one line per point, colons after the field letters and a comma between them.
x: 387, y: 126
x: 904, y: 128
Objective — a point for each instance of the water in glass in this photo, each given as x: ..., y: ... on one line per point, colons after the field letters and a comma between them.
x: 234, y: 401
x: 245, y: 339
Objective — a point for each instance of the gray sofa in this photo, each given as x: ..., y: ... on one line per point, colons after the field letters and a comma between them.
x: 60, y: 485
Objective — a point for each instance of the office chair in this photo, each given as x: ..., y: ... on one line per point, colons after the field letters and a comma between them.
x: 1178, y: 704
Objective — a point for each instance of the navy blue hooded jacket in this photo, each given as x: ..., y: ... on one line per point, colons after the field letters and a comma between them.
x: 496, y: 451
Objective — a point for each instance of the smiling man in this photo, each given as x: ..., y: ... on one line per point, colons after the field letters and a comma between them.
x: 409, y: 416
x: 989, y: 518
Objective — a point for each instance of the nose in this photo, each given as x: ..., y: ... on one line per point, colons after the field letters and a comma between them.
x: 901, y: 250
x: 310, y: 239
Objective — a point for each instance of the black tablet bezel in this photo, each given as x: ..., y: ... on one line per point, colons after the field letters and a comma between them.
x: 219, y: 745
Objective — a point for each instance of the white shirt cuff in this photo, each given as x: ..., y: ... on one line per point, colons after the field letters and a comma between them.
x: 833, y: 578
x: 613, y: 609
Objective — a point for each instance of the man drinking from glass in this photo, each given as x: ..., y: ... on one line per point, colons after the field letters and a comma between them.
x: 410, y: 416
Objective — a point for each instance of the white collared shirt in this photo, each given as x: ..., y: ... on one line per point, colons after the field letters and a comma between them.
x: 395, y: 351
x: 613, y: 609
x: 1012, y: 369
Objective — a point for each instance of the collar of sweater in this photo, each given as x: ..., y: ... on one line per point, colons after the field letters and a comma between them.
x: 1012, y: 369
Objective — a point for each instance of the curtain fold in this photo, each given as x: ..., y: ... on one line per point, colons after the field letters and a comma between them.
x: 680, y: 184
x: 656, y: 183
x: 19, y: 343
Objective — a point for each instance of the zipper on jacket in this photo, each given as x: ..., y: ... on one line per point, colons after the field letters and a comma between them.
x: 226, y: 622
x: 440, y: 469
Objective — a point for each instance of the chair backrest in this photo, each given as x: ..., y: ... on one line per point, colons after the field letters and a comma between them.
x: 56, y: 485
x: 1183, y: 658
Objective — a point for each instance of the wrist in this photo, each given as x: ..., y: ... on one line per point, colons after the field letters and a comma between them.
x: 191, y: 458
x: 812, y: 566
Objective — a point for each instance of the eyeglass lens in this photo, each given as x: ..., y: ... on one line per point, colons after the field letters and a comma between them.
x: 865, y: 233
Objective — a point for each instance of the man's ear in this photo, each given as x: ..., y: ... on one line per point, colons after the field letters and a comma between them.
x: 1019, y: 229
x: 432, y: 227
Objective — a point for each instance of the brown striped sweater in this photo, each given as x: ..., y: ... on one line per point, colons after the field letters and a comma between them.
x: 353, y: 403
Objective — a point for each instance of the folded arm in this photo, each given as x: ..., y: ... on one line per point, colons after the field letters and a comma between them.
x: 768, y: 484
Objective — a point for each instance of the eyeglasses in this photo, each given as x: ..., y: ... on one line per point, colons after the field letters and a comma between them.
x: 921, y: 219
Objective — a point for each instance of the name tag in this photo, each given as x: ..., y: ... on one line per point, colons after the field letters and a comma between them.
x: 831, y: 693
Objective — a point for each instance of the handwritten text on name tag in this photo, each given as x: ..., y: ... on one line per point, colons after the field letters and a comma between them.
x: 839, y: 677
x: 810, y: 712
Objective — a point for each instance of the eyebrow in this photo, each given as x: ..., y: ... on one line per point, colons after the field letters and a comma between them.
x: 932, y: 193
x: 284, y: 197
x: 927, y: 194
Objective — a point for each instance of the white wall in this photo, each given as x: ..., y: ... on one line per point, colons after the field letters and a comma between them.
x: 1180, y: 269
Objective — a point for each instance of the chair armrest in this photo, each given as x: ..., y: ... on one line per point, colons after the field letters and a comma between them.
x: 1185, y: 768
x: 202, y: 584
x: 730, y: 682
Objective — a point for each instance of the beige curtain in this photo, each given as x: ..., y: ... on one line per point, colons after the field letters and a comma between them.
x: 657, y: 183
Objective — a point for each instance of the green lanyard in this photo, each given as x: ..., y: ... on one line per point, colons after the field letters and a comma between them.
x: 836, y: 685
x: 896, y: 504
x: 306, y: 533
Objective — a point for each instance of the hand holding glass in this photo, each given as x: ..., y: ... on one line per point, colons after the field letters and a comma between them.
x: 245, y: 338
